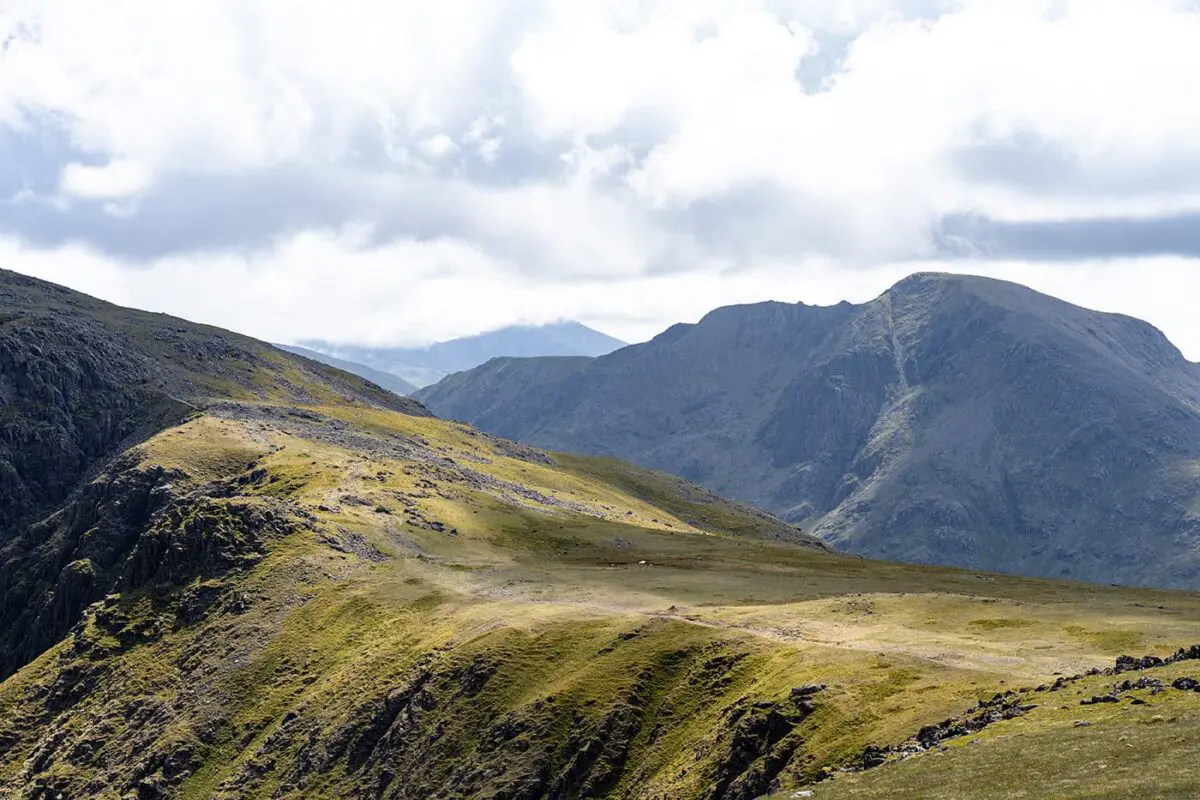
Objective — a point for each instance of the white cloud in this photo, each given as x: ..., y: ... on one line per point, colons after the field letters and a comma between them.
x: 112, y: 181
x: 615, y: 160
x: 447, y: 289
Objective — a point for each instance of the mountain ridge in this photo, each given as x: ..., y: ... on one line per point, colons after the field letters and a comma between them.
x: 428, y: 364
x: 79, y: 377
x: 82, y: 382
x: 936, y: 423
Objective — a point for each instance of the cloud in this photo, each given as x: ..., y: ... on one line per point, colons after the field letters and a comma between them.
x: 112, y: 181
x: 327, y: 286
x: 1076, y: 239
x: 598, y: 148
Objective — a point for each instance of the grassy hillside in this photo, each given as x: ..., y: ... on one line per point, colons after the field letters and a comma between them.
x: 1144, y: 746
x: 332, y: 599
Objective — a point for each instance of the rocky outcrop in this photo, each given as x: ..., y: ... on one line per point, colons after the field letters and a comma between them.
x: 1018, y: 702
x: 129, y: 529
x: 66, y: 404
x: 60, y: 565
x: 758, y: 743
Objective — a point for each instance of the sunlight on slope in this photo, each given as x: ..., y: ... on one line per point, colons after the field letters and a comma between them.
x: 534, y: 589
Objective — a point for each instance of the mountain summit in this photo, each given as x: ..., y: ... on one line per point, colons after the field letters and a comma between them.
x: 954, y: 419
x: 422, y: 366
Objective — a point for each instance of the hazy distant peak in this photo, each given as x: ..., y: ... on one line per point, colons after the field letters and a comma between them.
x: 430, y: 363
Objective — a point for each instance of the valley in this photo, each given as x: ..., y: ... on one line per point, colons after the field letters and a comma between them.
x: 405, y: 369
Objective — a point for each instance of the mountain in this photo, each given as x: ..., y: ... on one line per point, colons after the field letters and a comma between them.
x: 271, y: 579
x: 953, y: 420
x: 425, y: 365
x: 81, y: 379
x: 393, y: 383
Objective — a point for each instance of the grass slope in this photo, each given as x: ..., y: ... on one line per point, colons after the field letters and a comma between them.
x: 341, y: 600
x: 1060, y: 749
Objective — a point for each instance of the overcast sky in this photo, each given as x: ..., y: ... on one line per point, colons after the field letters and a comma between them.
x: 407, y: 171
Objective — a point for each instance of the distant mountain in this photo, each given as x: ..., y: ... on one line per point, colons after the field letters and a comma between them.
x: 425, y: 365
x: 953, y: 420
x: 387, y: 380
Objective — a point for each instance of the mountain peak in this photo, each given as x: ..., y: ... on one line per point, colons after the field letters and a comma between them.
x: 938, y: 284
x: 949, y: 420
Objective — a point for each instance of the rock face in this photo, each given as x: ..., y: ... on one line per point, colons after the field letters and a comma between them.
x: 128, y: 529
x: 81, y: 379
x: 952, y: 420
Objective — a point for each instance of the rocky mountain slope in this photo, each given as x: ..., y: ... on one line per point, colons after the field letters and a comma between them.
x: 422, y: 366
x: 393, y: 383
x: 305, y: 587
x: 81, y: 379
x: 953, y: 420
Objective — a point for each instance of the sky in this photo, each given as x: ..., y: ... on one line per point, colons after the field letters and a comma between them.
x: 402, y: 172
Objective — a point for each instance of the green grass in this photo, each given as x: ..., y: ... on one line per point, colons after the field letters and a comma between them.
x: 597, y: 595
x: 1000, y: 624
x: 697, y: 507
x: 1120, y: 751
